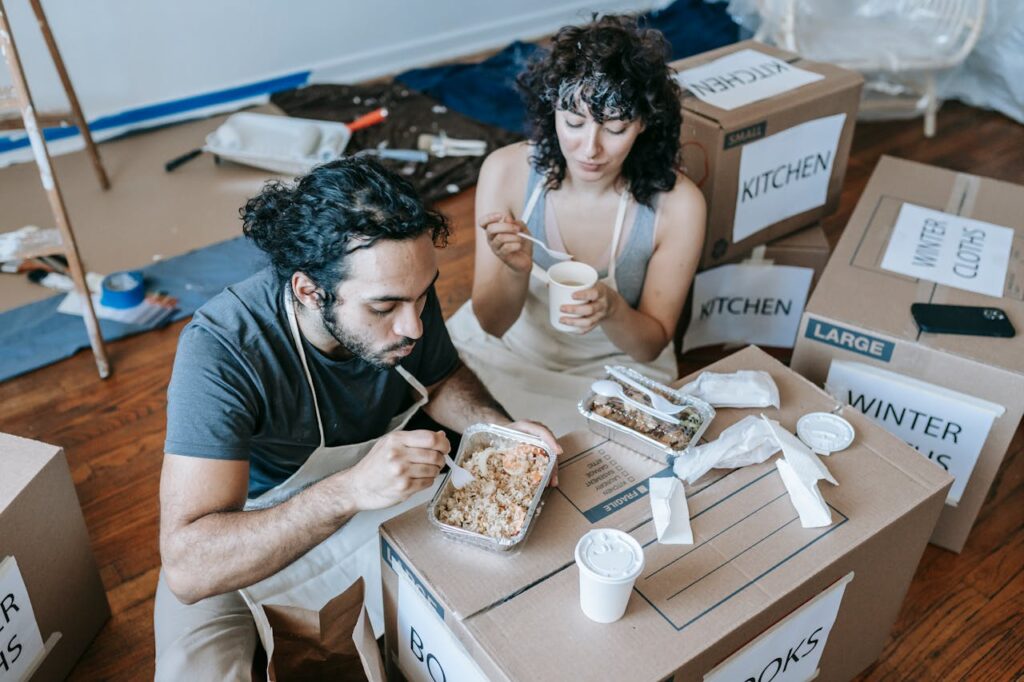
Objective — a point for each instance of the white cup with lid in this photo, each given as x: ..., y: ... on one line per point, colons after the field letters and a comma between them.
x: 564, y: 280
x: 609, y: 561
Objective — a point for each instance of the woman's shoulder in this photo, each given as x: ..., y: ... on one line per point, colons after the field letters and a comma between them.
x: 684, y: 199
x: 505, y: 171
x: 513, y: 158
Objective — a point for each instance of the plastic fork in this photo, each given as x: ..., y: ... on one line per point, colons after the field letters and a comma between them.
x: 557, y: 255
x: 460, y: 477
x: 658, y: 402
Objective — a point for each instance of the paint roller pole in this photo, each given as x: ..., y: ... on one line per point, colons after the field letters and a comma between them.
x: 182, y: 160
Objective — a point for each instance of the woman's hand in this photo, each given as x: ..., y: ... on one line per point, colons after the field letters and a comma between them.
x: 501, y: 230
x: 594, y: 305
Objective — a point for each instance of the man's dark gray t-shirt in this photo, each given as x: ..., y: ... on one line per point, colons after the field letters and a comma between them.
x: 238, y: 390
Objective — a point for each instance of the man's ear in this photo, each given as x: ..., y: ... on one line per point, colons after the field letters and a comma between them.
x: 306, y: 292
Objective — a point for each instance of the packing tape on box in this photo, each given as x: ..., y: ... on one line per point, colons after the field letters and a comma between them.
x: 122, y: 290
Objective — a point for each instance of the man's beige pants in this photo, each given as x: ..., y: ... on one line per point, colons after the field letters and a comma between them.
x: 213, y: 639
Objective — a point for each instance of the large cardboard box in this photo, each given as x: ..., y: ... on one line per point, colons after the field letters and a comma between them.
x: 52, y: 601
x: 756, y: 595
x: 759, y: 299
x: 771, y: 165
x: 957, y: 399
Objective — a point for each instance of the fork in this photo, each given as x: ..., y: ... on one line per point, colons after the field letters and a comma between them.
x: 460, y: 477
x: 554, y: 253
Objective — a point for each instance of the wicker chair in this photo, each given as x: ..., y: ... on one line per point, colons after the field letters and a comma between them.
x: 915, y: 39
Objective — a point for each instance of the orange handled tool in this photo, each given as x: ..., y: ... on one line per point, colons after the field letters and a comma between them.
x: 367, y: 120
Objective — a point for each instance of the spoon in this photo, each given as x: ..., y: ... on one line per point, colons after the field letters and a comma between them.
x: 659, y: 403
x: 557, y: 255
x: 460, y: 477
x: 610, y: 389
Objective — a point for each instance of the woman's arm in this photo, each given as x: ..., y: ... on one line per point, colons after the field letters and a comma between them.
x: 644, y: 332
x: 501, y: 273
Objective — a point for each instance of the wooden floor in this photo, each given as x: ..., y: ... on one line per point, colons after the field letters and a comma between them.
x: 963, y: 615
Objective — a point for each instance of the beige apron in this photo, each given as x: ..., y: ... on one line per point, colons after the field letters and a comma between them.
x: 537, y: 372
x: 331, y: 567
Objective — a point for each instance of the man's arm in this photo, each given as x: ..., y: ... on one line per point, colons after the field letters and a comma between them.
x: 210, y: 546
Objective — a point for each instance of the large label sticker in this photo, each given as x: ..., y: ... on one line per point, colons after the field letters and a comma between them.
x: 743, y: 77
x: 949, y: 249
x: 785, y: 174
x: 427, y: 650
x: 791, y: 649
x: 21, y: 644
x: 946, y: 426
x: 759, y: 304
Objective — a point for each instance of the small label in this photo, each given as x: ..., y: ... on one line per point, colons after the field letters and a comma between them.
x: 949, y: 249
x: 397, y: 565
x: 948, y: 427
x: 785, y: 174
x: 21, y: 644
x: 427, y: 649
x: 745, y: 135
x: 759, y: 304
x: 742, y: 77
x: 791, y: 649
x: 848, y: 339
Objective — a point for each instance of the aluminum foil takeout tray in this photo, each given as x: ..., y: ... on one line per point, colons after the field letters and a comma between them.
x: 696, y: 418
x: 474, y: 439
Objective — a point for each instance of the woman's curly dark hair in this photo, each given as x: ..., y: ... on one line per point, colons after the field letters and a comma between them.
x: 339, y: 207
x: 618, y: 70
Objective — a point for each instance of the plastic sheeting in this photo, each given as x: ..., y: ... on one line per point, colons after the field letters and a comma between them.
x: 894, y: 42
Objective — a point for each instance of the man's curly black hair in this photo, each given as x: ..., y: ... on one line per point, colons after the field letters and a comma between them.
x: 342, y: 206
x: 618, y: 70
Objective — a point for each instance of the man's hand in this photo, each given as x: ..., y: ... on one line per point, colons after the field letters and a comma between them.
x: 544, y: 433
x: 401, y: 464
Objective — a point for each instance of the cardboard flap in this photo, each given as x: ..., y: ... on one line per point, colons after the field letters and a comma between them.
x: 22, y: 460
x: 836, y: 79
x: 854, y: 282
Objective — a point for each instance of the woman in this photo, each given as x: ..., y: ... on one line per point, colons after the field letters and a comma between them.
x: 599, y: 180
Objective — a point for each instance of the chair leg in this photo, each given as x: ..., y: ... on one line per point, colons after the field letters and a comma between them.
x: 932, y: 106
x: 76, y: 108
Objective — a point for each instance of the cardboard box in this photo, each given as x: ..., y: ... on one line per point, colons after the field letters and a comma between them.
x: 972, y: 396
x: 775, y: 164
x: 755, y: 585
x: 52, y: 601
x: 729, y: 305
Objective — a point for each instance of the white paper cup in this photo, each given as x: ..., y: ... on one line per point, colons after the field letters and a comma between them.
x: 609, y: 561
x: 565, y: 279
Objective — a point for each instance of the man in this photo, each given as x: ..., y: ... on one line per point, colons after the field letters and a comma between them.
x: 286, y: 407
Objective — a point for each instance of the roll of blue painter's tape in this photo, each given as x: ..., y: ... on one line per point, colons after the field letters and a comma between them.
x: 122, y: 290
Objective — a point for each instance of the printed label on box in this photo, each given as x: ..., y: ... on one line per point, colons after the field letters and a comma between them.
x: 21, y: 644
x: 743, y: 77
x: 791, y: 649
x: 759, y: 304
x: 849, y: 339
x: 949, y: 249
x: 947, y: 427
x: 427, y: 650
x: 785, y: 174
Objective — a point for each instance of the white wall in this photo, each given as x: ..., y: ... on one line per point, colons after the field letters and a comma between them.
x: 124, y: 55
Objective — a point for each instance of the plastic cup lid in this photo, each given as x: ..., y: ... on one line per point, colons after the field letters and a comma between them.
x: 824, y: 432
x: 610, y: 555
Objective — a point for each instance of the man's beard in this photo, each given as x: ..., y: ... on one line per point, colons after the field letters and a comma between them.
x: 359, y: 347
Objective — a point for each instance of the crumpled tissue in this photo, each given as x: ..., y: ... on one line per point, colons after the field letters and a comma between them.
x: 801, y: 470
x: 671, y: 513
x: 748, y: 441
x: 745, y: 388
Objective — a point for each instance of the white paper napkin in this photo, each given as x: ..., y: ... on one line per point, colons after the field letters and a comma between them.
x: 745, y: 388
x: 748, y: 441
x: 671, y: 513
x: 801, y: 470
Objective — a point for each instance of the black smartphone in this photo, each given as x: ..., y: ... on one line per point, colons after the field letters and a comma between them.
x: 937, y: 318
